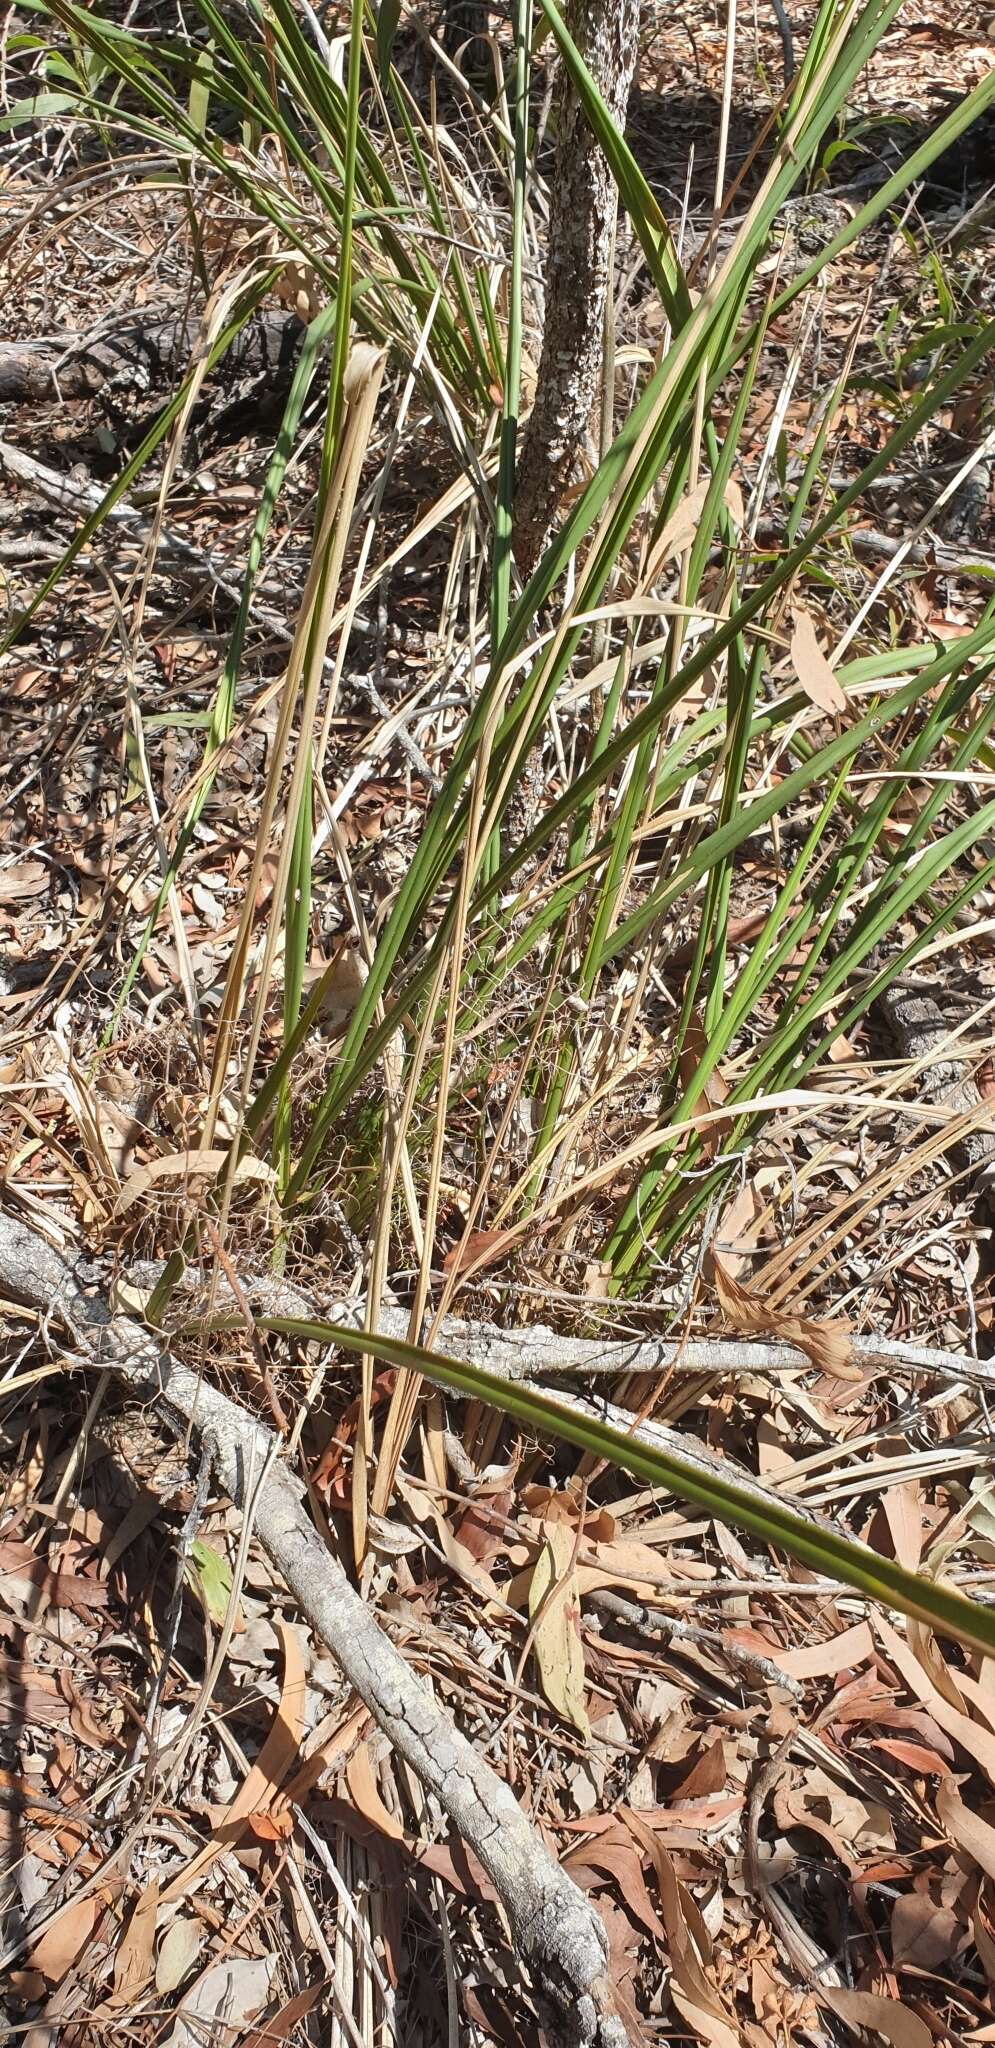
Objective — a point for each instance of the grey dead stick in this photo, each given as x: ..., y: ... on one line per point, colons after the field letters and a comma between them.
x: 556, y: 1931
x: 537, y: 1354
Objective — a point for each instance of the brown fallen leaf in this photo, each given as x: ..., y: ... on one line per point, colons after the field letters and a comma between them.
x: 24, y: 1575
x: 282, y: 2027
x: 26, y: 878
x: 736, y: 1227
x: 714, y: 1090
x: 616, y: 1855
x: 26, y: 1985
x: 706, y: 1776
x: 692, y: 1986
x: 974, y: 1837
x: 924, y: 1932
x: 178, y: 1951
x: 185, y: 1166
x: 270, y: 1827
x: 133, y: 1963
x: 482, y: 1248
x: 981, y: 1928
x: 59, y: 1946
x: 259, y: 1788
x: 888, y: 2016
x: 844, y: 1652
x: 914, y: 1755
x: 28, y: 1698
x: 365, y: 1794
x: 554, y: 1610
x: 678, y: 531
x: 811, y: 667
x: 977, y: 1740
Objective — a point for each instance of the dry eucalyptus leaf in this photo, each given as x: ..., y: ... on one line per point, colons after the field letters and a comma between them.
x: 133, y: 1961
x: 811, y: 667
x: 554, y: 1608
x: 898, y: 2023
x: 178, y: 1951
x: 924, y: 1932
x: 61, y: 1943
x: 679, y: 531
x: 217, y: 2006
x: 185, y: 1166
x: 974, y: 1836
x: 365, y: 1794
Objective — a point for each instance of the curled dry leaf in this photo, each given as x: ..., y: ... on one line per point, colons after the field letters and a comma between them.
x: 186, y: 1166
x: 615, y: 1854
x: 811, y: 667
x: 827, y: 1344
x: 365, y: 1794
x: 692, y: 1988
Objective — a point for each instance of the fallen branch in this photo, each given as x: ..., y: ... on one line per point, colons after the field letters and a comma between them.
x: 539, y: 1354
x: 556, y: 1930
x: 144, y: 353
x: 535, y: 1356
x: 954, y: 559
x: 81, y: 500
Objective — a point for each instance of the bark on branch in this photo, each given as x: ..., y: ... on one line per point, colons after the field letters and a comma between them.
x: 143, y: 354
x: 556, y: 1930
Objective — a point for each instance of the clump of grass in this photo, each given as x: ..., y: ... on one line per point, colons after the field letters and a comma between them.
x: 655, y: 631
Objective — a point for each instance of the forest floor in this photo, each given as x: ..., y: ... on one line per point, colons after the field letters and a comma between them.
x: 246, y: 1859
